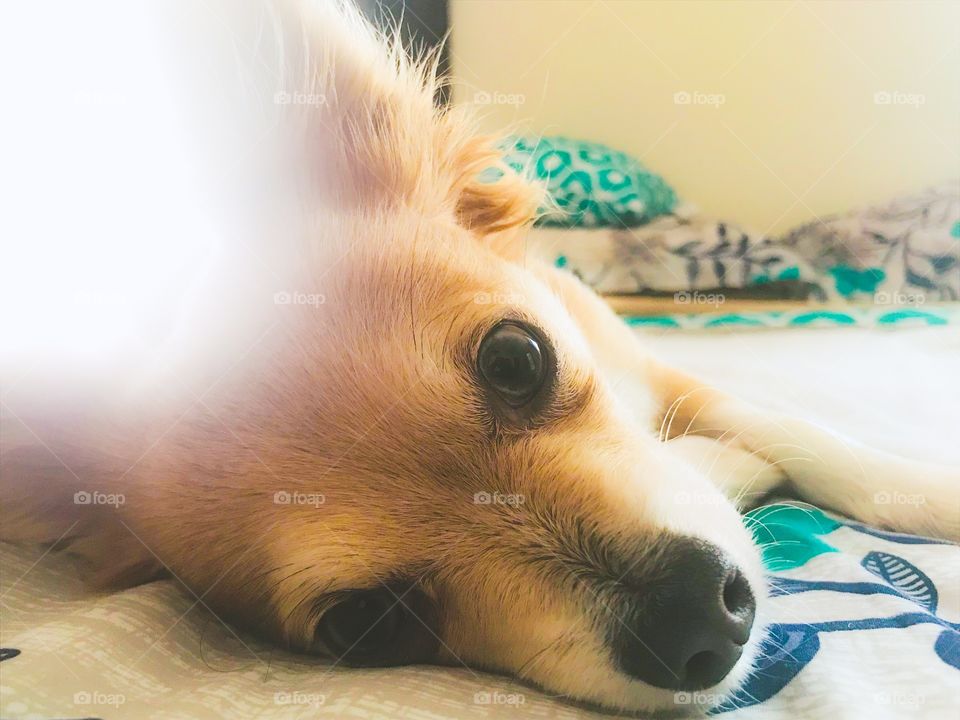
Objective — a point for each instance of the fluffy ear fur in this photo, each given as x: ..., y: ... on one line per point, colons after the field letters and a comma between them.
x: 493, y: 207
x: 375, y: 135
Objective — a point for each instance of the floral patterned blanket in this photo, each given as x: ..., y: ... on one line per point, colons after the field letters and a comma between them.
x: 902, y: 253
x: 857, y: 613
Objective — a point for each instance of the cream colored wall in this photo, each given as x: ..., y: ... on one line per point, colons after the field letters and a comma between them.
x: 798, y: 133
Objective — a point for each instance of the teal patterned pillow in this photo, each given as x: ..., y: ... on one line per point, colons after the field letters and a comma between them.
x: 590, y: 184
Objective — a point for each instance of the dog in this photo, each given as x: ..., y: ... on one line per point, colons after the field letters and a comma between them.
x: 406, y: 441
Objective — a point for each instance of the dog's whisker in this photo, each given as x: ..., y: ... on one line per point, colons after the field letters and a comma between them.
x: 566, y: 637
x: 756, y: 476
x: 671, y: 412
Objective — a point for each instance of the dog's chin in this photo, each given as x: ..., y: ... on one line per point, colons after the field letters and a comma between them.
x: 638, y: 699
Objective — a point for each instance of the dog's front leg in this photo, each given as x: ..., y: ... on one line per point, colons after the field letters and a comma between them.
x: 743, y: 476
x: 818, y: 465
x: 813, y: 463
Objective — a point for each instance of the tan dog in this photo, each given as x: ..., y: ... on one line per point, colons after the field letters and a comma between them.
x: 446, y: 453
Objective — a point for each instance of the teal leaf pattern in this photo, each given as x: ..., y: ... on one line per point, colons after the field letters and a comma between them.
x: 850, y: 280
x: 907, y: 578
x: 789, y: 535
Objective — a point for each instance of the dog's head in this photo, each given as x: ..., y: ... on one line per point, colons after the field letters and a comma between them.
x: 427, y: 457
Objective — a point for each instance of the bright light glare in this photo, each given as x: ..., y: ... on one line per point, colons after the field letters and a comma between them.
x: 105, y: 230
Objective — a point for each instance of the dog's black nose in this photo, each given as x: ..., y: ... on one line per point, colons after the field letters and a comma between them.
x: 687, y: 630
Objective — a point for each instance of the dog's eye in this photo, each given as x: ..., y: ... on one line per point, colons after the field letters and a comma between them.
x: 362, y: 627
x: 512, y: 363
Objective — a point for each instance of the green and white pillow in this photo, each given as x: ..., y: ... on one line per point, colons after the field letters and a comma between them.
x: 589, y: 184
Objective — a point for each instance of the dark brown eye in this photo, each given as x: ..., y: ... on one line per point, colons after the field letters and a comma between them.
x: 361, y: 628
x: 511, y: 362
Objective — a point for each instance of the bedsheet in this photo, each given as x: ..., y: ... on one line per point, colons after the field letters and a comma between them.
x: 862, y: 624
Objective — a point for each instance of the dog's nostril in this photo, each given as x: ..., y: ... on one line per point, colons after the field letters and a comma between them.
x: 689, y: 628
x: 706, y: 668
x: 739, y: 602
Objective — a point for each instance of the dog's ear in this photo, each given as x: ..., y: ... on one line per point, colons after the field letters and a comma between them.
x: 505, y: 203
x: 375, y: 135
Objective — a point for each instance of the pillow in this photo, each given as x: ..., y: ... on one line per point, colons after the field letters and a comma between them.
x: 589, y: 184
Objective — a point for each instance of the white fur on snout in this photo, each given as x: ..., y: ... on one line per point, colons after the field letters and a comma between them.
x: 691, y: 505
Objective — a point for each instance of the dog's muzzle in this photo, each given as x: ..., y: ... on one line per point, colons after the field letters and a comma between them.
x: 688, y: 630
